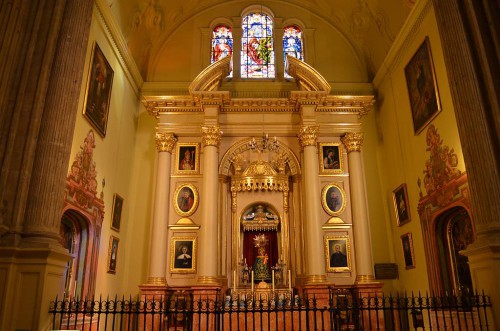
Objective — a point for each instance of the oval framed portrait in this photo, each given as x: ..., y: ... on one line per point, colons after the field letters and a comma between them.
x: 185, y: 199
x: 333, y: 199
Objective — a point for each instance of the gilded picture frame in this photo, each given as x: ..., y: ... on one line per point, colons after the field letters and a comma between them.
x: 183, y: 251
x: 337, y: 254
x: 330, y: 158
x: 401, y: 205
x: 408, y: 252
x: 117, y: 212
x: 186, y: 200
x: 113, y: 254
x: 187, y: 158
x: 422, y: 87
x: 98, y: 92
x: 333, y: 199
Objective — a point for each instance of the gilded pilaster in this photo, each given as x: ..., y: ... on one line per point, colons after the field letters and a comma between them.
x: 211, y: 136
x: 362, y: 243
x: 315, y: 268
x: 308, y: 135
x: 165, y: 142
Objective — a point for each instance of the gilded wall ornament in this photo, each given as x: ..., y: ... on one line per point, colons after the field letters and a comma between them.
x: 352, y: 141
x: 308, y: 135
x: 440, y: 168
x: 165, y: 142
x: 211, y: 136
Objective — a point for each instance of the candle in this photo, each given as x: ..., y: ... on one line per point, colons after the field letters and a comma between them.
x: 273, y: 280
x: 289, y: 280
x: 252, y: 282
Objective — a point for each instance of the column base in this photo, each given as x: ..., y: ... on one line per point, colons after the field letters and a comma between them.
x: 208, y: 280
x: 365, y: 279
x: 315, y: 279
x: 157, y: 281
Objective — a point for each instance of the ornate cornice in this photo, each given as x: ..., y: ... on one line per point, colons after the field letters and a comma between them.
x: 308, y: 135
x: 165, y: 142
x: 349, y: 104
x: 211, y: 136
x: 352, y: 141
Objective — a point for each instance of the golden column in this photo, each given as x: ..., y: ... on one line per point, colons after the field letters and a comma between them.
x: 158, y: 255
x: 361, y: 227
x: 315, y: 267
x: 211, y: 137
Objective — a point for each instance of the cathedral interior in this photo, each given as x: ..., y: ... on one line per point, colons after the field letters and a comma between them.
x: 158, y: 145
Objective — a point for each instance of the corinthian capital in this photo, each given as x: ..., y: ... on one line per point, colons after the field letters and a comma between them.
x: 211, y: 136
x: 308, y: 135
x: 165, y: 142
x: 352, y: 141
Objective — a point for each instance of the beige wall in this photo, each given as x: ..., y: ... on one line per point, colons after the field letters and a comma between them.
x: 401, y: 155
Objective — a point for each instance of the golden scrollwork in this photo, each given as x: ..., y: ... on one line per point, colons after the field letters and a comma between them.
x: 308, y: 135
x: 211, y: 136
x: 352, y: 141
x: 165, y: 141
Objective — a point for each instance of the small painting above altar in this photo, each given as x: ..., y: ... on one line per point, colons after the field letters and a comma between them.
x: 187, y: 158
x: 330, y: 158
x: 185, y: 200
x: 333, y: 199
x: 338, y: 253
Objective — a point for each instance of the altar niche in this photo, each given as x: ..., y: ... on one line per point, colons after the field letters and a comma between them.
x: 260, y: 226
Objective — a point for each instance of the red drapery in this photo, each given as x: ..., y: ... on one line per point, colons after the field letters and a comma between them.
x: 250, y: 251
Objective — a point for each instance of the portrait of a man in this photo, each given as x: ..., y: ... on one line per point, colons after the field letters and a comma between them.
x: 401, y: 205
x: 333, y: 199
x: 187, y: 158
x: 337, y: 249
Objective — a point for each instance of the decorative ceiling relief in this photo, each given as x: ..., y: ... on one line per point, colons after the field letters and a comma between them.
x: 440, y: 169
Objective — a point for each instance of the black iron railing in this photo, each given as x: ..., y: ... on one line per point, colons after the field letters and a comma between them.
x: 340, y: 310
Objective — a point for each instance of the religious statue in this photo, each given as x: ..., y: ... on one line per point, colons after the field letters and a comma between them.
x: 261, y: 265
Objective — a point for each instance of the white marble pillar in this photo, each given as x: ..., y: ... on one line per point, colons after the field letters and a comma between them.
x: 159, y: 238
x: 361, y: 223
x: 315, y: 264
x: 211, y: 137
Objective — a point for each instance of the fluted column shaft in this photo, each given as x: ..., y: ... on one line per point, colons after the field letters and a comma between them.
x: 159, y: 239
x: 211, y: 136
x: 361, y: 226
x: 315, y: 267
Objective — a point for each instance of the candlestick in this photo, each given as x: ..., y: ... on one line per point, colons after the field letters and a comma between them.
x: 273, y: 280
x: 290, y: 280
x: 252, y: 282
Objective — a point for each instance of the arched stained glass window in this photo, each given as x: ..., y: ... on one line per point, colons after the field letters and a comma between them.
x: 222, y: 43
x: 257, y: 51
x: 292, y: 45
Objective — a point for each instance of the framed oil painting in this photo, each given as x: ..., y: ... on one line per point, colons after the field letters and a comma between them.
x: 422, y: 87
x: 330, y: 158
x: 408, y: 253
x: 117, y: 212
x: 333, y: 199
x: 185, y: 200
x: 187, y: 158
x: 112, y: 254
x: 337, y: 253
x: 401, y: 204
x: 98, y: 95
x: 183, y: 255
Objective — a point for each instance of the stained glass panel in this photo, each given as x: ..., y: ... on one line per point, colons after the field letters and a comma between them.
x: 222, y: 44
x: 257, y: 51
x: 292, y: 45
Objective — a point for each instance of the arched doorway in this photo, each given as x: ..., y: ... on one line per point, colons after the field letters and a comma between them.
x: 453, y: 234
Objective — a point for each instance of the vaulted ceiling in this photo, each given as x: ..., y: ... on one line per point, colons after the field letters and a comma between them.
x: 369, y: 26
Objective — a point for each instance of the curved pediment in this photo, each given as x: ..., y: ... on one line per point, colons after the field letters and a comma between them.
x: 211, y: 78
x: 259, y: 168
x: 307, y: 78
